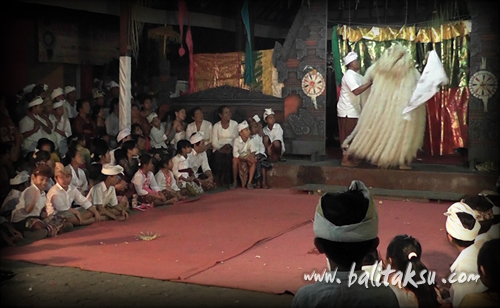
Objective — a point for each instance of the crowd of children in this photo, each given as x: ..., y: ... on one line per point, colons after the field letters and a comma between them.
x: 67, y: 163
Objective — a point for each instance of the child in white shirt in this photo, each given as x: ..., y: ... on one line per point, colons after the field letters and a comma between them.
x: 145, y: 184
x: 273, y: 140
x: 17, y: 184
x: 244, y: 161
x: 157, y: 133
x: 165, y: 178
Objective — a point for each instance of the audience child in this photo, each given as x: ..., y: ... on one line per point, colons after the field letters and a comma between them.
x: 99, y: 121
x: 43, y: 158
x: 462, y: 229
x: 70, y: 104
x: 30, y: 127
x: 62, y: 195
x: 78, y: 141
x: 263, y: 163
x: 146, y: 109
x: 100, y: 157
x: 488, y: 266
x: 223, y: 134
x: 79, y: 179
x: 346, y: 230
x: 182, y: 170
x: 103, y: 195
x: 137, y: 131
x: 127, y: 158
x: 178, y: 126
x: 123, y: 136
x: 62, y: 127
x: 198, y: 159
x: 244, y: 160
x: 157, y: 133
x: 47, y: 145
x: 145, y: 184
x: 273, y: 139
x: 27, y: 216
x: 483, y: 211
x: 137, y: 118
x: 402, y: 251
x: 200, y: 125
x: 17, y: 185
x: 166, y: 180
x: 113, y: 122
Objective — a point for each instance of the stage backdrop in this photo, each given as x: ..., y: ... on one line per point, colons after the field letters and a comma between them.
x: 447, y: 124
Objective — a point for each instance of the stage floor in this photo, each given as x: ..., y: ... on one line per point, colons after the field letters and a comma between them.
x: 259, y: 240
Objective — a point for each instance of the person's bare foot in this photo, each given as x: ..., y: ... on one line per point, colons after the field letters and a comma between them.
x: 250, y: 186
x: 233, y: 186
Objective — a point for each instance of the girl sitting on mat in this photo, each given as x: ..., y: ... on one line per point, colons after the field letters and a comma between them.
x: 166, y: 180
x: 145, y: 184
x: 79, y: 179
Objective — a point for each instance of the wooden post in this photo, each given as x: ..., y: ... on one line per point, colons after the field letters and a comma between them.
x: 124, y: 27
x: 125, y: 67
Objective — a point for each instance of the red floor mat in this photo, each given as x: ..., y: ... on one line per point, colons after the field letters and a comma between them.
x: 193, y: 236
x: 279, y: 265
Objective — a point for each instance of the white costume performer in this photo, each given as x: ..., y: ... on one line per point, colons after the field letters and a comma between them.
x: 383, y: 136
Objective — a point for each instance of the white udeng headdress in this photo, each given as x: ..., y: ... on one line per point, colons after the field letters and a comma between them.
x: 365, y: 230
x: 454, y: 226
x: 242, y: 125
x: 351, y: 56
x: 267, y: 112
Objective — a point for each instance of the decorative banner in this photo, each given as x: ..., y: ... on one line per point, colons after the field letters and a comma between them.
x: 245, y: 15
x: 76, y: 44
x: 215, y: 70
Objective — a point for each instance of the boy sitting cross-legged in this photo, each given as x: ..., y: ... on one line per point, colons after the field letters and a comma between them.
x: 62, y: 195
x: 103, y: 194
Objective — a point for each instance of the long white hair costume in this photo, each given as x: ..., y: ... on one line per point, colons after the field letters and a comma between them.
x: 383, y: 136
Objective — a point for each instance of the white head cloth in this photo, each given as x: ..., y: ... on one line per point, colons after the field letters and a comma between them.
x: 29, y: 88
x: 242, y: 125
x: 109, y: 169
x: 69, y: 89
x: 454, y: 226
x: 56, y: 92
x: 197, y: 137
x: 20, y: 178
x: 45, y: 87
x: 113, y: 84
x: 351, y: 56
x: 123, y: 134
x: 256, y: 118
x: 58, y: 104
x: 151, y: 117
x: 267, y: 112
x: 365, y: 230
x: 35, y: 102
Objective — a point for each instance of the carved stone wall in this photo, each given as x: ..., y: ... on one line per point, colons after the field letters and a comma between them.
x: 305, y: 45
x: 484, y: 128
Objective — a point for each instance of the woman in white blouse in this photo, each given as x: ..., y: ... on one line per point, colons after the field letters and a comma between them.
x: 223, y: 134
x: 200, y: 125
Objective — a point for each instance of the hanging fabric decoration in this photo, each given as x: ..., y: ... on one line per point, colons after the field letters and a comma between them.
x: 183, y: 12
x: 248, y: 54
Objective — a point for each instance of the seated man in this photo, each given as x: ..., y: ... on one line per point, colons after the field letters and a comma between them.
x: 198, y: 159
x: 244, y: 160
x: 346, y: 229
x: 462, y: 229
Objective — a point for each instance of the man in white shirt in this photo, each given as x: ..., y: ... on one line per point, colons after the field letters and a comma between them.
x: 62, y: 195
x: 349, y: 106
x: 462, y: 229
x: 30, y: 126
x: 70, y: 103
x: 198, y: 159
x: 243, y: 157
x: 103, y: 194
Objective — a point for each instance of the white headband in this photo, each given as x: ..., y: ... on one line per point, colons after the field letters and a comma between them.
x: 350, y: 57
x: 454, y: 226
x: 58, y: 104
x: 35, y: 102
x: 242, y: 126
x: 365, y: 230
x: 267, y: 112
x: 256, y: 118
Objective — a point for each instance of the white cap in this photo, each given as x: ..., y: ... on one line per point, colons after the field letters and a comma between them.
x: 454, y: 226
x: 109, y: 169
x: 197, y: 137
x: 69, y: 89
x: 242, y: 126
x: 58, y: 104
x: 267, y: 112
x: 351, y: 56
x: 29, y: 88
x: 20, y: 178
x: 35, y: 102
x: 56, y: 92
x: 123, y: 134
x: 365, y: 230
x: 114, y: 85
x: 256, y: 118
x: 151, y: 117
x: 45, y: 87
